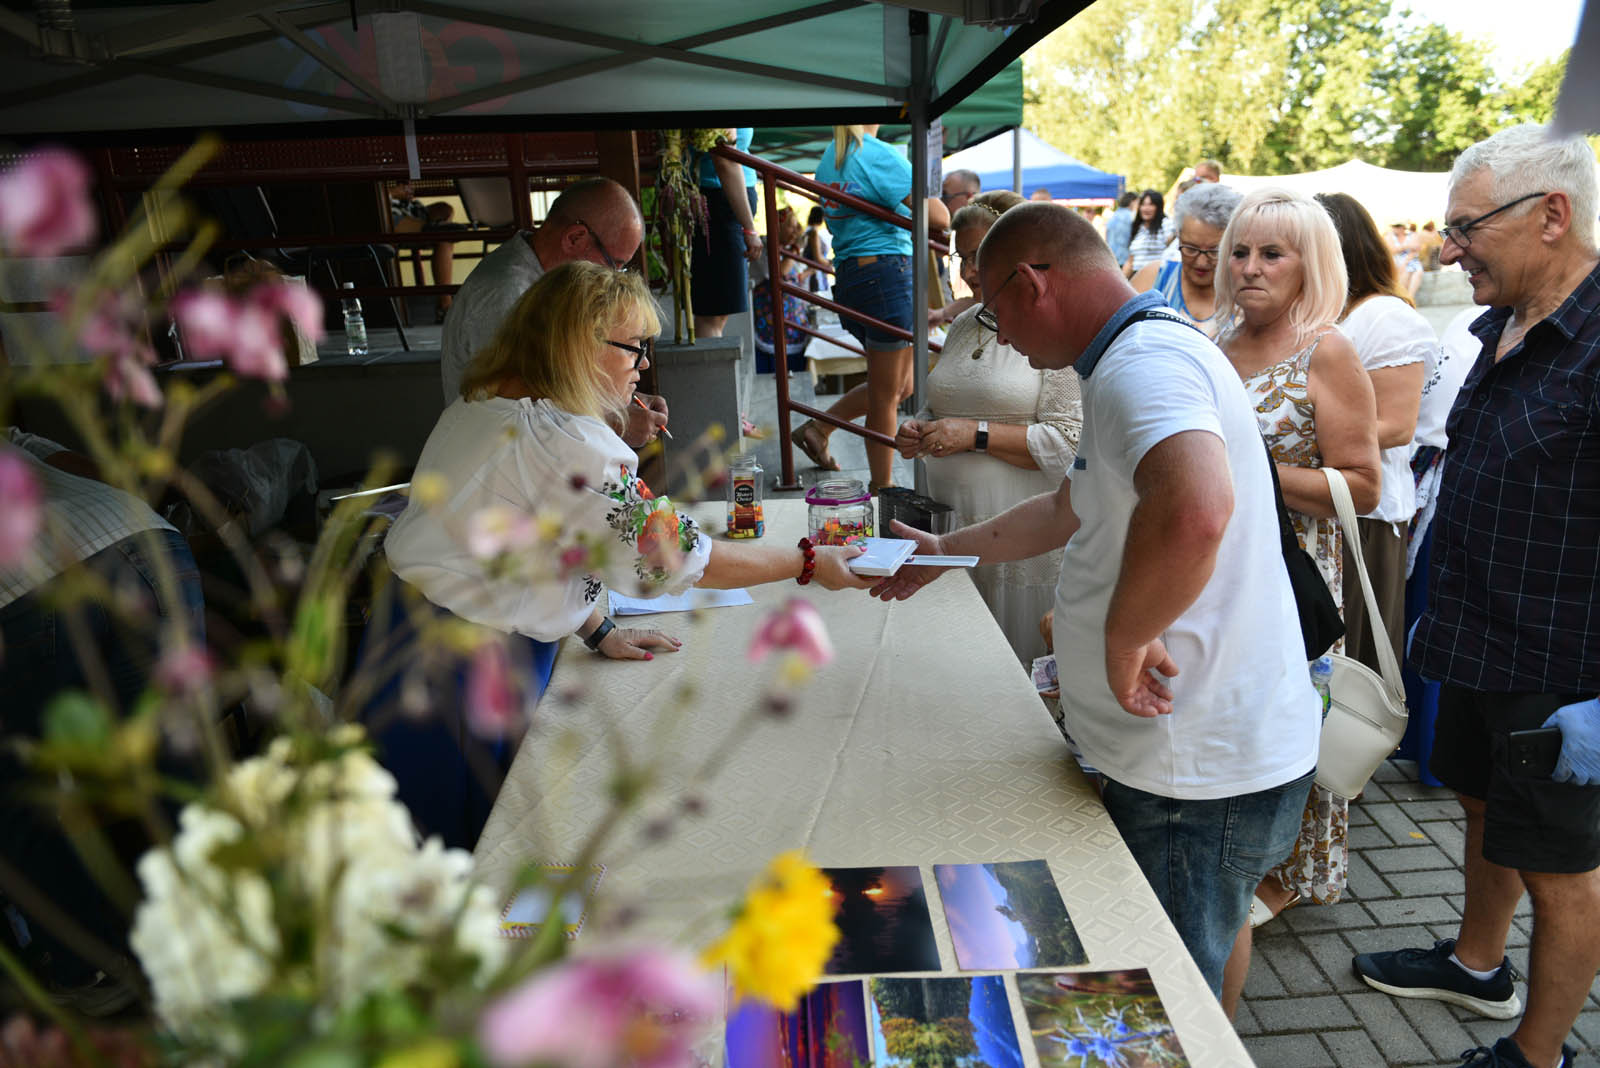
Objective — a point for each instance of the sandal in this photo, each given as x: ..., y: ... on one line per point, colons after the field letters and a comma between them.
x: 815, y: 446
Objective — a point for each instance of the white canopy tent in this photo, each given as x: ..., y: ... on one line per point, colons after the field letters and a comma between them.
x: 1389, y: 196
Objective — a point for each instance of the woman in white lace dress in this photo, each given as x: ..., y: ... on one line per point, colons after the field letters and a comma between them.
x: 1283, y: 290
x: 996, y: 431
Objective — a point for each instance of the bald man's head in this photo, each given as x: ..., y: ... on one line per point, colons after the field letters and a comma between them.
x: 1049, y: 281
x: 595, y: 219
x: 1044, y: 232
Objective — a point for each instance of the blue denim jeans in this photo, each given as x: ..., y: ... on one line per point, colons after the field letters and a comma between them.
x: 1204, y: 859
x: 881, y: 289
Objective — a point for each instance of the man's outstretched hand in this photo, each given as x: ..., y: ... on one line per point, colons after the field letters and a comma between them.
x: 1138, y: 691
x: 911, y: 578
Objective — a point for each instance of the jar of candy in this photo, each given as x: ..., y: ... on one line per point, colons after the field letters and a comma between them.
x: 838, y: 509
x: 745, y: 518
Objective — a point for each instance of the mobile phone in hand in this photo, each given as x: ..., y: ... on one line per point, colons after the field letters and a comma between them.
x: 1533, y: 754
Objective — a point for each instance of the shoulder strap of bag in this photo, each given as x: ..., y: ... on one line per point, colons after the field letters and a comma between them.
x: 1152, y: 313
x: 1352, y: 538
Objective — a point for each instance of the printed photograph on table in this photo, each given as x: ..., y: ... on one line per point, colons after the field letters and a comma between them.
x: 1007, y: 915
x: 827, y: 1030
x: 523, y: 914
x: 883, y: 921
x: 955, y: 1021
x: 1099, y: 1020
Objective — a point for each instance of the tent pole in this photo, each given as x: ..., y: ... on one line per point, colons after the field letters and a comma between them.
x: 1016, y: 160
x: 920, y: 260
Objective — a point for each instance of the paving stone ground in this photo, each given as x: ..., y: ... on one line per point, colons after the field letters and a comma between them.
x: 1303, y: 1007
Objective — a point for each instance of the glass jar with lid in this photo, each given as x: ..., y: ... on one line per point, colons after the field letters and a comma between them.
x: 745, y: 516
x: 838, y: 509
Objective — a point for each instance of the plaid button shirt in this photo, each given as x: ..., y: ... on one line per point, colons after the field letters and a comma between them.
x: 1514, y: 601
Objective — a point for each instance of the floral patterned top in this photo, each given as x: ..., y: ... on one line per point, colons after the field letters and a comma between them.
x: 521, y: 513
x: 1281, y: 395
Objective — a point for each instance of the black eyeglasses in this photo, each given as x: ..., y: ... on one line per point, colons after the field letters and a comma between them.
x: 985, y: 316
x: 1194, y: 252
x: 601, y: 245
x: 1462, y: 235
x: 641, y: 353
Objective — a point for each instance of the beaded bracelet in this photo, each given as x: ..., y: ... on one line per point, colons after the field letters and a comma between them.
x: 808, y: 568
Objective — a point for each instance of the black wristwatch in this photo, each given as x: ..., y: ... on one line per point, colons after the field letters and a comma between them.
x: 599, y: 633
x: 980, y: 441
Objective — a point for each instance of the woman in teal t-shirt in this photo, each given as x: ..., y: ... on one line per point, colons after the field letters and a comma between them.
x: 872, y: 261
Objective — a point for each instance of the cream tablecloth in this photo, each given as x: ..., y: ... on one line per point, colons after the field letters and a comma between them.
x: 922, y: 743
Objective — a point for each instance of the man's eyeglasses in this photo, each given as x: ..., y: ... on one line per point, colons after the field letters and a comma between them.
x: 1195, y: 252
x: 601, y: 245
x: 1462, y: 234
x: 985, y: 315
x: 641, y: 353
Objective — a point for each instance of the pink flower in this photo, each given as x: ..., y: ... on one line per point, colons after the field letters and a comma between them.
x: 796, y: 627
x: 184, y: 668
x: 643, y: 1008
x: 257, y: 350
x: 206, y: 318
x: 497, y: 529
x: 295, y: 300
x: 44, y: 204
x: 21, y: 507
x: 114, y: 330
x: 494, y: 700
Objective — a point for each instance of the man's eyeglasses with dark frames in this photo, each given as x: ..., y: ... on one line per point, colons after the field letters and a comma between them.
x: 985, y: 315
x: 641, y: 352
x: 1462, y: 234
x: 601, y: 245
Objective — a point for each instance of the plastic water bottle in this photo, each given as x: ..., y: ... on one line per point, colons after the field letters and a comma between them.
x: 1322, y: 681
x: 355, y: 325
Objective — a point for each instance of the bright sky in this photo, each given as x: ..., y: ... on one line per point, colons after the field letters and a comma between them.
x: 1538, y: 30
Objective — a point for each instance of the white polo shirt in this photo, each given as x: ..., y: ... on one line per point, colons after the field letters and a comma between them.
x: 1245, y: 717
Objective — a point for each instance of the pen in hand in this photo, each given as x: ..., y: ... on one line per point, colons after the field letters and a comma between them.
x: 664, y: 431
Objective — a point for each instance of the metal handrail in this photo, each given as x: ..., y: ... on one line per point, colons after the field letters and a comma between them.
x: 772, y: 177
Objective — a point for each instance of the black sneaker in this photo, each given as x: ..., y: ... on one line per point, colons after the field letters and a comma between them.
x: 1507, y: 1054
x: 1431, y: 974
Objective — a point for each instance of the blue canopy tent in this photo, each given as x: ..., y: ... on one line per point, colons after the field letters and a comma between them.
x: 1043, y: 167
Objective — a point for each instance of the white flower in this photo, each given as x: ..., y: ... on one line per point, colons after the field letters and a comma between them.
x: 343, y: 849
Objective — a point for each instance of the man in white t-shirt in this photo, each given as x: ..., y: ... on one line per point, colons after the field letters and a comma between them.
x: 1183, y: 673
x: 594, y: 219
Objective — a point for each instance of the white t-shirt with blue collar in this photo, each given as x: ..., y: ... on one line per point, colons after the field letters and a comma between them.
x: 1245, y: 717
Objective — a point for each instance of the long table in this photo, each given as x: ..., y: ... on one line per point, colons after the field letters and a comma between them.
x: 923, y: 742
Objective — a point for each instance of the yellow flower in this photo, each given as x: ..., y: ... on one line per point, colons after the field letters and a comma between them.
x: 430, y: 489
x: 428, y: 1053
x: 782, y: 937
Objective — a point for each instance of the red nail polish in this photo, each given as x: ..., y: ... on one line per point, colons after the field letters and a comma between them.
x: 649, y: 656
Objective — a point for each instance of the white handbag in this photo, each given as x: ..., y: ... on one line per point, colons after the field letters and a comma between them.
x: 1367, y: 714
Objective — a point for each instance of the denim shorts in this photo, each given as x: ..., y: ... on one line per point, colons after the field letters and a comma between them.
x: 880, y: 288
x: 1528, y: 824
x: 1204, y: 859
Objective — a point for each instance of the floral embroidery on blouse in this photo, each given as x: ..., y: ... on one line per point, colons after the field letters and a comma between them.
x: 649, y: 526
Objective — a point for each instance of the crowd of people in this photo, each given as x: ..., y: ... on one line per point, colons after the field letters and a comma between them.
x: 1097, y: 421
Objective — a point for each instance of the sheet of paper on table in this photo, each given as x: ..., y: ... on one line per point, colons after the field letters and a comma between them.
x: 689, y: 601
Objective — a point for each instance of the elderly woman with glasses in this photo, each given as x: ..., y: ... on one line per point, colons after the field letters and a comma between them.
x: 526, y: 504
x: 995, y: 431
x: 1189, y: 283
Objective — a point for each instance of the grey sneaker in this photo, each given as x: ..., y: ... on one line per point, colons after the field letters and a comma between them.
x: 1430, y: 973
x: 1507, y: 1054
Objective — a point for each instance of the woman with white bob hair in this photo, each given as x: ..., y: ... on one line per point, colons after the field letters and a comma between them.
x: 1189, y: 283
x: 1282, y: 293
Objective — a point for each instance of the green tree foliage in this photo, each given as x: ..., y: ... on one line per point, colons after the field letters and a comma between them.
x: 1146, y: 87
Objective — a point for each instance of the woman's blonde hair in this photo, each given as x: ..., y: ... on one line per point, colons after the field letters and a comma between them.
x: 845, y: 140
x: 548, y: 341
x: 1306, y: 227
